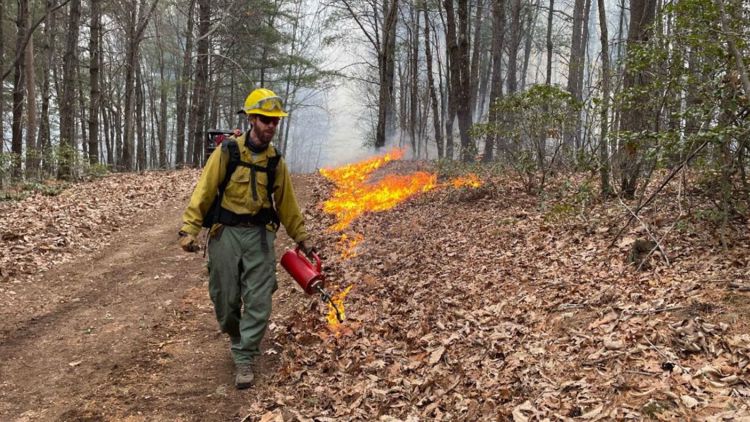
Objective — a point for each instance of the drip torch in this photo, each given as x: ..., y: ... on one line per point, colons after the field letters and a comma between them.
x: 310, y: 277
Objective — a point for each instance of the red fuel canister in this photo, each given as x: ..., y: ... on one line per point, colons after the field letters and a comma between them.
x: 307, y: 275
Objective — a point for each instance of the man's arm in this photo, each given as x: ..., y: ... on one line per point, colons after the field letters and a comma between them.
x: 286, y: 204
x: 205, y: 192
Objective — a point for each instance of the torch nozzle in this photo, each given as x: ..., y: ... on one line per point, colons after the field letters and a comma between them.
x: 326, y: 297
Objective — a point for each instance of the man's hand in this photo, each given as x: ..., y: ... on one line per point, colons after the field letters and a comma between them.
x: 188, y: 242
x: 307, y: 248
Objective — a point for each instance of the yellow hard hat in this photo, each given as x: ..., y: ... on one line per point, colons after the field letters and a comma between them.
x: 266, y: 102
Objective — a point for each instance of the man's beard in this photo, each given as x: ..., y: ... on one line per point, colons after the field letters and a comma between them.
x: 264, y: 137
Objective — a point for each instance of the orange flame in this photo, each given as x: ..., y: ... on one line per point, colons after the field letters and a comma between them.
x: 354, y: 197
x: 347, y: 245
x: 470, y: 179
x: 338, y: 300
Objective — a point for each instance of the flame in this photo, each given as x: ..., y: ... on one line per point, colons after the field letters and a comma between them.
x: 353, y: 174
x: 347, y: 245
x: 470, y: 179
x: 354, y: 196
x: 338, y: 300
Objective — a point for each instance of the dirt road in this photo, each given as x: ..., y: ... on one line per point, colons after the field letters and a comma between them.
x: 128, y: 334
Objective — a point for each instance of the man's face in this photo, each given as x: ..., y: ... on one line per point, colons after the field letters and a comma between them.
x: 264, y: 128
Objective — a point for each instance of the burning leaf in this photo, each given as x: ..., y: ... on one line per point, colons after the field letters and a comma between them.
x: 468, y: 180
x: 338, y: 302
x: 347, y: 245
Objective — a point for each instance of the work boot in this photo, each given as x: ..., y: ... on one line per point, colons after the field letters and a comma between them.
x: 245, y: 376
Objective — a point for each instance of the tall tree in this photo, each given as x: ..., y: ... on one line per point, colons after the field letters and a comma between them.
x: 94, y: 104
x: 550, y: 45
x: 414, y: 82
x: 458, y: 50
x: 431, y: 83
x: 18, y: 86
x: 44, y: 142
x: 137, y: 19
x: 31, y: 117
x: 634, y: 115
x: 515, y: 42
x: 199, y: 107
x: 2, y: 84
x: 67, y: 101
x: 606, y: 189
x: 182, y: 87
x: 575, y: 69
x: 496, y: 85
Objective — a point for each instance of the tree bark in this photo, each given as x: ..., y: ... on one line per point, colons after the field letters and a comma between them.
x: 458, y: 50
x: 198, y: 111
x: 140, y: 117
x: 496, y: 85
x: 550, y: 45
x: 635, y: 116
x: 18, y: 88
x: 139, y: 18
x: 606, y: 189
x: 414, y: 73
x: 44, y: 142
x: 182, y: 87
x: 386, y: 67
x: 515, y: 41
x: 67, y: 101
x: 475, y: 57
x: 2, y: 86
x: 32, y: 154
x: 431, y: 84
x: 94, y: 104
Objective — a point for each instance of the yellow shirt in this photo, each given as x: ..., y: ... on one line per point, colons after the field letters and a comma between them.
x: 238, y: 196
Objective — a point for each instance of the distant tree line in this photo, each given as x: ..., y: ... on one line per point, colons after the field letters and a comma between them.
x: 617, y: 88
x: 133, y: 84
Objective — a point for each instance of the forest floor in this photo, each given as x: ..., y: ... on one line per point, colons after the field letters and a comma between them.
x: 467, y: 304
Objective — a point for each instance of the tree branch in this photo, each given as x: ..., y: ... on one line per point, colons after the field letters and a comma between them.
x: 27, y: 38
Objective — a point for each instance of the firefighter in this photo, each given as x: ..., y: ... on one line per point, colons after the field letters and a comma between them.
x: 241, y: 258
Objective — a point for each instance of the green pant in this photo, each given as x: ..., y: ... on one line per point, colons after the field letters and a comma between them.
x: 242, y: 279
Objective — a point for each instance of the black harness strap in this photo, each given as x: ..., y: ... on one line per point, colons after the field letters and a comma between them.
x: 217, y: 214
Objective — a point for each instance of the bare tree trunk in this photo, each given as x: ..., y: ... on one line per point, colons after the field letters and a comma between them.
x: 496, y: 86
x: 431, y: 84
x: 515, y: 41
x: 182, y: 88
x: 606, y: 189
x: 67, y: 102
x: 198, y: 111
x: 139, y: 118
x: 32, y: 155
x: 2, y: 86
x: 414, y: 71
x: 458, y: 49
x: 44, y: 142
x: 82, y: 108
x: 635, y: 118
x: 575, y: 71
x: 139, y: 20
x: 18, y: 88
x: 529, y: 33
x: 386, y: 68
x: 475, y: 57
x: 163, y: 89
x: 94, y: 105
x: 550, y: 45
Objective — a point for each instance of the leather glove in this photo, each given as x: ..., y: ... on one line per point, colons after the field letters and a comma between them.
x: 307, y: 248
x: 188, y: 242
